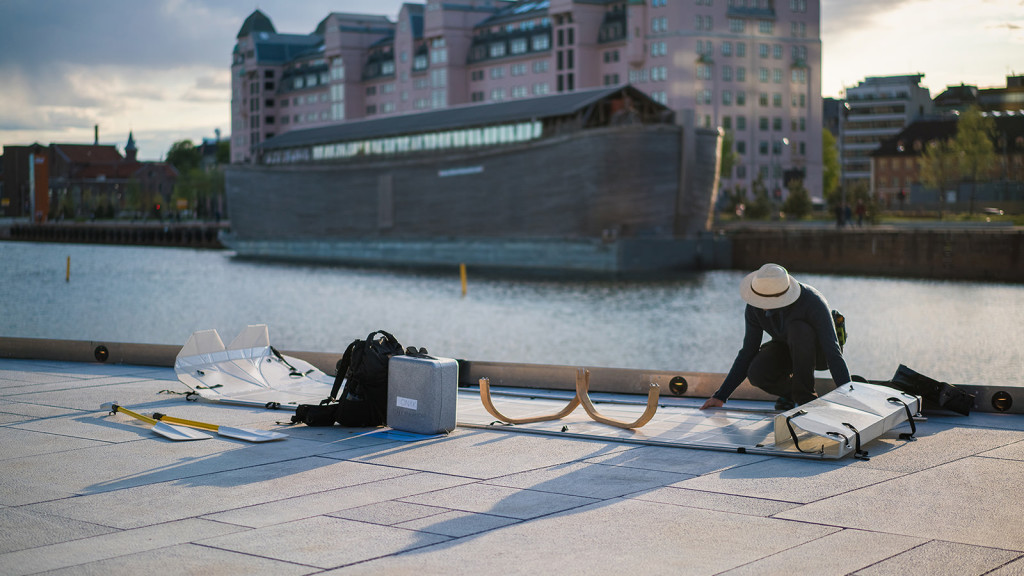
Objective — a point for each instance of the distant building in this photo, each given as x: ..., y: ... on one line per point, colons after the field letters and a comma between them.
x: 752, y: 67
x: 876, y: 109
x: 87, y: 180
x: 959, y: 98
x: 896, y: 174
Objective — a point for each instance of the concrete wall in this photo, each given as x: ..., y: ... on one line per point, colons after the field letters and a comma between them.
x: 996, y: 255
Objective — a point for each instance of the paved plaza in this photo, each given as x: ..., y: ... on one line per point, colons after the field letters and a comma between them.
x: 86, y: 492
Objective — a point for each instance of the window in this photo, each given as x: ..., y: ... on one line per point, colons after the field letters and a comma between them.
x: 741, y: 49
x: 726, y: 48
x: 518, y: 69
x: 777, y: 75
x: 762, y: 74
x: 765, y: 26
x: 496, y: 50
x: 438, y: 51
x: 519, y: 92
x: 741, y: 146
x: 540, y: 66
x: 762, y: 99
x: 741, y: 98
x: 517, y: 46
x: 338, y: 70
x: 660, y: 73
x: 657, y: 49
x: 777, y: 51
x: 659, y: 24
x: 419, y: 62
x: 727, y: 73
x: 762, y: 50
x: 762, y: 123
x: 737, y: 26
x: 777, y: 100
x: 741, y: 122
x: 702, y: 22
x: 497, y: 72
x: 777, y: 124
x: 727, y: 98
x: 703, y: 72
x: 541, y: 88
x: 798, y: 29
x: 741, y: 74
x: 540, y: 42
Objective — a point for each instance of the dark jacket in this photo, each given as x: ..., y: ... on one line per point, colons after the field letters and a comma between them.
x: 812, y: 308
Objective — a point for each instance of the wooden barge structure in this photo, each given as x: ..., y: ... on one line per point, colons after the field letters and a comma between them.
x: 604, y: 181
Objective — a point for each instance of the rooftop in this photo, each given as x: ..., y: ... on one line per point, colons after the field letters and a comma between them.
x: 451, y: 118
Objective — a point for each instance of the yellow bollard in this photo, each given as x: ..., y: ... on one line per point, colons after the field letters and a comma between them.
x: 67, y: 272
x: 462, y: 276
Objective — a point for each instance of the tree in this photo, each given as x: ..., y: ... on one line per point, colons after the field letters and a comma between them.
x: 728, y: 155
x: 184, y: 156
x: 798, y: 202
x: 830, y: 175
x: 223, y: 152
x: 761, y: 206
x: 939, y: 167
x: 974, y: 147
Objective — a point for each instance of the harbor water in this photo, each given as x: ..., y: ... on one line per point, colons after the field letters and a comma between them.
x: 959, y: 332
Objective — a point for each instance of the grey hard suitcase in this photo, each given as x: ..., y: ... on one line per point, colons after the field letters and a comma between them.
x: 422, y: 394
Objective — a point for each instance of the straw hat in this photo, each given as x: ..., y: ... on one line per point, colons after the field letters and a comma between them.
x: 769, y: 288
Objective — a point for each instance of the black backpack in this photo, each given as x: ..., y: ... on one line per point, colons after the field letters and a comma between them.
x: 364, y: 371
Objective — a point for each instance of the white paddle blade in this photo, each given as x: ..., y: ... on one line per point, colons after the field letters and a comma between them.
x: 250, y: 435
x: 179, y: 433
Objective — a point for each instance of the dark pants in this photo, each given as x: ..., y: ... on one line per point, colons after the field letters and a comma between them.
x: 786, y: 367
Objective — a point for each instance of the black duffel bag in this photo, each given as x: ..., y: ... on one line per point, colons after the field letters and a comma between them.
x: 935, y: 394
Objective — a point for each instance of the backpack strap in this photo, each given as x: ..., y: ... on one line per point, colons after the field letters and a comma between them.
x: 342, y: 369
x: 387, y: 338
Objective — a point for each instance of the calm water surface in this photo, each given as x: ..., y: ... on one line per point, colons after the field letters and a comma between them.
x: 960, y: 332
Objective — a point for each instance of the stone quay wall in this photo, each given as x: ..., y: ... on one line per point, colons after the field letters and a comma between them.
x: 947, y: 254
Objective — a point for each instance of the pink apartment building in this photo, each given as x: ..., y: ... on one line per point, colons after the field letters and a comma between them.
x: 752, y: 67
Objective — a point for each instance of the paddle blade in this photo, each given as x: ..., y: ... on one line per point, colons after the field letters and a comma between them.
x: 250, y: 435
x: 179, y: 433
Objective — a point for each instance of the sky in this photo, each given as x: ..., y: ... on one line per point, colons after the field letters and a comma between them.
x: 161, y: 68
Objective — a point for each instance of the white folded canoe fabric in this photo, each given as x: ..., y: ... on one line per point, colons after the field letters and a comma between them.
x: 842, y: 421
x: 249, y: 371
x: 820, y: 426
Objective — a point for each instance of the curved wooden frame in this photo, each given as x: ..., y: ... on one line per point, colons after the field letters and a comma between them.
x: 583, y: 386
x: 485, y: 398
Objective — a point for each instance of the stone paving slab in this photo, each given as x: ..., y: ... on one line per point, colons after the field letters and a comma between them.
x: 843, y: 552
x: 187, y: 560
x: 938, y: 558
x: 619, y: 536
x: 85, y: 492
x: 339, y: 500
x: 118, y: 543
x: 972, y: 501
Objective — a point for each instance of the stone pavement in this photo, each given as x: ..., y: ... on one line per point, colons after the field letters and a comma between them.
x: 86, y: 492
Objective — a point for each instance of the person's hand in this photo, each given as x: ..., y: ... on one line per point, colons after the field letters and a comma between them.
x: 712, y: 403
